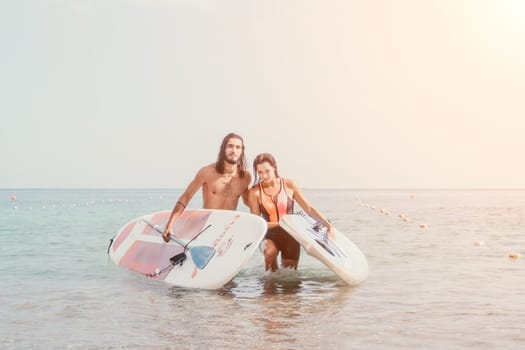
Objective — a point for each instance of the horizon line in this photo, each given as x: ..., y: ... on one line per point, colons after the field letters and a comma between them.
x: 304, y: 188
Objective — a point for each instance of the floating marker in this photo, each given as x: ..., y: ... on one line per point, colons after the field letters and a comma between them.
x: 513, y: 255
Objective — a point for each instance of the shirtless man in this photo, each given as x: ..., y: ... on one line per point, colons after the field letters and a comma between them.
x: 222, y: 182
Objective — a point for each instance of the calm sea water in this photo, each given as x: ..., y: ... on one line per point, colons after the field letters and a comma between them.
x: 440, y: 278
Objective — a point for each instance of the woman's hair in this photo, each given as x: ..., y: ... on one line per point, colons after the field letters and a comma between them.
x: 241, y: 163
x: 261, y: 158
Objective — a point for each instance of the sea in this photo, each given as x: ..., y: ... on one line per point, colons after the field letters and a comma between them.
x: 447, y: 271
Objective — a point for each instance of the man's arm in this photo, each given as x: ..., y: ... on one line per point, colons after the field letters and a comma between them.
x: 183, y: 201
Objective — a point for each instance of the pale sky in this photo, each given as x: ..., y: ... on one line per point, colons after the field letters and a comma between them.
x: 345, y: 94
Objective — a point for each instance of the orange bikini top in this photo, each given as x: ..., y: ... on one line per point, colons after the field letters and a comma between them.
x: 273, y: 207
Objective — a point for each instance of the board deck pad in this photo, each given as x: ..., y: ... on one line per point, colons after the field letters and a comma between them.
x: 341, y: 255
x: 232, y: 235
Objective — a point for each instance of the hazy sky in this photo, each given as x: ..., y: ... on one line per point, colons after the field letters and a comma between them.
x: 345, y: 94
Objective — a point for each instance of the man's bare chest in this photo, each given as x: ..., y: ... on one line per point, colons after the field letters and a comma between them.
x: 226, y: 186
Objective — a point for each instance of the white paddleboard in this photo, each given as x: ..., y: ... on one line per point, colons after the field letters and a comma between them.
x: 218, y: 243
x: 341, y: 255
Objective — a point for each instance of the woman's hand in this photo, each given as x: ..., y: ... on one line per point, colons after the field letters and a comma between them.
x: 330, y: 230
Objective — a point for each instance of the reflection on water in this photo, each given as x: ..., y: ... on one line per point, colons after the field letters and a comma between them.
x: 279, y: 310
x: 284, y: 306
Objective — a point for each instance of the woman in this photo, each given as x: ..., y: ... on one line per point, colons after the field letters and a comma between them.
x: 271, y: 198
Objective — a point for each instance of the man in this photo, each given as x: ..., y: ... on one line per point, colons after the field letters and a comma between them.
x: 222, y: 182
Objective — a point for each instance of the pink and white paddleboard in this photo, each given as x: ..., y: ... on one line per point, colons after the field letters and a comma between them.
x: 207, y: 248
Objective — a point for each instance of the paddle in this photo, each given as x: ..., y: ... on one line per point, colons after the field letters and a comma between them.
x: 201, y: 255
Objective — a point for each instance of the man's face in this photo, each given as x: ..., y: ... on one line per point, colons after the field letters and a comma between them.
x: 233, y: 150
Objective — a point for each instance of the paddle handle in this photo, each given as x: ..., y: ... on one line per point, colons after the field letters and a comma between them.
x: 156, y: 228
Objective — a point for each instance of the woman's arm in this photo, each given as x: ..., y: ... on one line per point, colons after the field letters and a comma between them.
x: 307, y: 207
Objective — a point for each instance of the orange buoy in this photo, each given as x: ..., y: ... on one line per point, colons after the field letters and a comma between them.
x: 13, y: 198
x: 514, y: 255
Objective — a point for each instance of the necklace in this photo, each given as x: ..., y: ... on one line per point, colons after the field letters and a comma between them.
x: 229, y: 175
x: 229, y: 171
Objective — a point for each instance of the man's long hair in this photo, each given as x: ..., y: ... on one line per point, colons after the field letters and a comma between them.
x: 221, y: 158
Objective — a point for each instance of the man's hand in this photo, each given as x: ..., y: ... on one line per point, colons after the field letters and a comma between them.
x: 166, y: 235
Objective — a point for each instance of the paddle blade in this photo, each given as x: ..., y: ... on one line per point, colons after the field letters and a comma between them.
x: 201, y: 255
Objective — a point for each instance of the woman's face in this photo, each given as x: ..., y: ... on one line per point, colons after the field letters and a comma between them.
x: 265, y: 172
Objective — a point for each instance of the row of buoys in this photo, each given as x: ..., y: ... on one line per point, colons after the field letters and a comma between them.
x: 510, y: 255
x: 87, y: 203
x: 14, y: 198
x: 405, y: 218
x: 385, y: 212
